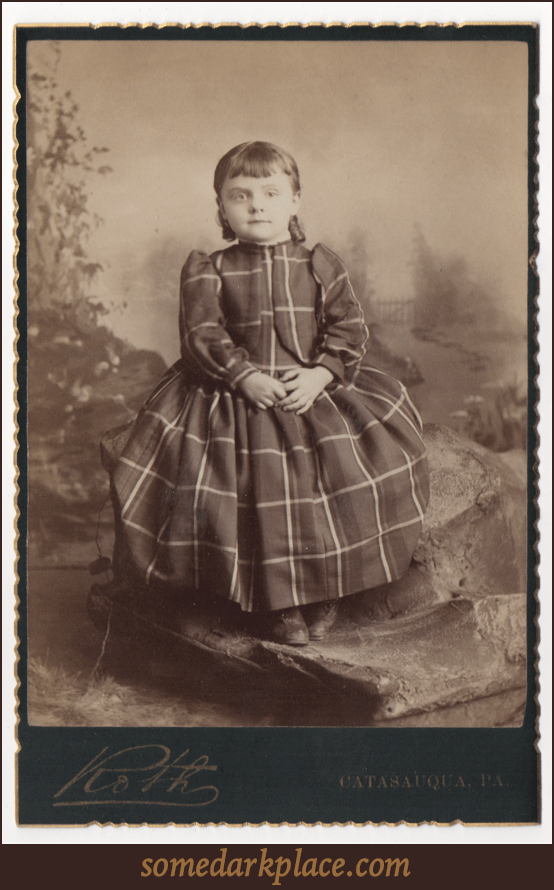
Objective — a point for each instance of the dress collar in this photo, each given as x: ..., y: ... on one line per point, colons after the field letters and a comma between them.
x: 258, y: 247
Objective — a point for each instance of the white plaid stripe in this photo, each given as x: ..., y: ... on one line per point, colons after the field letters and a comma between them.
x: 145, y: 471
x: 205, y: 277
x: 273, y: 334
x: 152, y: 473
x: 292, y: 312
x: 250, y: 601
x: 340, y: 551
x: 414, y: 411
x: 330, y: 522
x: 367, y: 483
x: 275, y: 560
x: 228, y: 274
x: 288, y: 500
x: 412, y: 483
x: 159, y: 539
x: 394, y: 407
x: 234, y: 590
x: 290, y: 535
x: 199, y: 487
x: 290, y: 259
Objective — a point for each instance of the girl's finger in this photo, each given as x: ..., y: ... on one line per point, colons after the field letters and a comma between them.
x: 294, y: 406
x: 305, y: 408
x: 290, y: 386
x: 284, y: 403
x: 288, y: 375
x: 292, y: 389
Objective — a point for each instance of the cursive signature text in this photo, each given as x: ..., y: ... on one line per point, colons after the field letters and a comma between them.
x: 129, y: 775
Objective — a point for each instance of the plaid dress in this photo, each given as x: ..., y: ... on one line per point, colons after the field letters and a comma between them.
x: 266, y: 508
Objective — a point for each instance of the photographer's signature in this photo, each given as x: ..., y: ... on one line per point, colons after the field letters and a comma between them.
x: 127, y: 777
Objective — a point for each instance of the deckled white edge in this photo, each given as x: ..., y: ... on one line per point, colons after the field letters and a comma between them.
x: 26, y: 13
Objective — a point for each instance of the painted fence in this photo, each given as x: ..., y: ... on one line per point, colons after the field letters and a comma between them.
x: 399, y: 311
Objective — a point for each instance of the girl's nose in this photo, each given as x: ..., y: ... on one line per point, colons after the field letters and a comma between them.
x: 256, y: 204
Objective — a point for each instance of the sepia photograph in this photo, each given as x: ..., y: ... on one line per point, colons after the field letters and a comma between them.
x: 279, y: 373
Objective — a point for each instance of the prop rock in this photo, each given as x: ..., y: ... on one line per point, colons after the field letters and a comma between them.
x: 474, y: 538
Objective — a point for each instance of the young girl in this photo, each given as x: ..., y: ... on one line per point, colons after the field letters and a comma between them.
x: 272, y: 466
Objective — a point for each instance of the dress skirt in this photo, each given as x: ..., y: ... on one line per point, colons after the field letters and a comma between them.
x: 270, y: 509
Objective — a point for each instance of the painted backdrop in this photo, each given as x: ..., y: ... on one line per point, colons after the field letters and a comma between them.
x: 394, y: 141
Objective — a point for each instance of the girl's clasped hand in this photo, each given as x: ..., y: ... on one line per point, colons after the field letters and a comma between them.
x: 262, y: 390
x: 296, y: 390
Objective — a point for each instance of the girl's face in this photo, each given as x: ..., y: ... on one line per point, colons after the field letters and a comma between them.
x: 259, y: 209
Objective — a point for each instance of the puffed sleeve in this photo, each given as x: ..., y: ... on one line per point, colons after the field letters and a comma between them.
x: 201, y: 323
x: 342, y: 330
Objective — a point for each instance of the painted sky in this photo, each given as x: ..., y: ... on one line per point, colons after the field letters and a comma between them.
x: 387, y: 135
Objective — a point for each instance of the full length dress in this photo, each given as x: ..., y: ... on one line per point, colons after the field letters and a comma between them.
x: 271, y: 509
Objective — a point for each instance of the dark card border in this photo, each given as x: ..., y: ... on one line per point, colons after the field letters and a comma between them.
x: 284, y: 775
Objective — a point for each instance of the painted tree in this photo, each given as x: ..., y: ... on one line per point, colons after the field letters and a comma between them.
x: 82, y: 379
x: 446, y: 290
x: 61, y: 165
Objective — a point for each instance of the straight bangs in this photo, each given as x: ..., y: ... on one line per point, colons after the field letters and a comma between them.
x: 256, y: 165
x: 256, y: 159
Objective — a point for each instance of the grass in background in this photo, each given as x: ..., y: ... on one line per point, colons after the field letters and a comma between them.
x: 496, y: 419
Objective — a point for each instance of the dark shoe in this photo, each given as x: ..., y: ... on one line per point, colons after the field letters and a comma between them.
x: 321, y: 618
x: 288, y: 627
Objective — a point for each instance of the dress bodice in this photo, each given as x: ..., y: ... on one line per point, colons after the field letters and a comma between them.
x: 268, y: 273
x: 253, y: 304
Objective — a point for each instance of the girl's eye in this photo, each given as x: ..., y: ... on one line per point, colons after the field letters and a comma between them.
x: 272, y: 194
